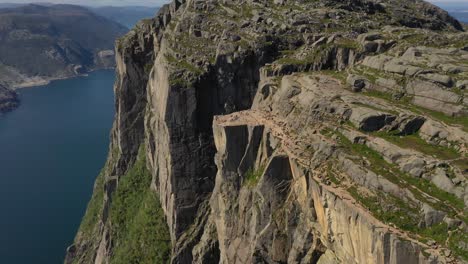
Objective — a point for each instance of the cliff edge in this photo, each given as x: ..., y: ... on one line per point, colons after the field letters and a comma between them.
x: 285, y: 132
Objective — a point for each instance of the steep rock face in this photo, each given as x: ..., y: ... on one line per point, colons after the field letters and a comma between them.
x: 288, y: 216
x: 317, y: 171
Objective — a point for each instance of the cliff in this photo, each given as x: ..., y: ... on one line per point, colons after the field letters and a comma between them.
x: 285, y: 132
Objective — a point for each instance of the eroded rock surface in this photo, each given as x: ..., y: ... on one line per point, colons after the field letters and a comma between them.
x: 292, y: 132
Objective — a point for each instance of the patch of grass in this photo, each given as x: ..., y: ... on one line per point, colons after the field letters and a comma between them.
x: 390, y: 209
x: 415, y: 142
x: 434, y: 191
x: 348, y: 43
x: 179, y: 82
x: 400, y: 213
x: 378, y: 94
x: 94, y: 209
x: 181, y: 64
x: 148, y: 239
x: 456, y: 242
x: 451, y: 120
x: 437, y: 232
x: 391, y: 172
x: 138, y: 228
x: 462, y: 164
x: 253, y: 176
x: 332, y: 176
x: 312, y: 57
x: 340, y: 75
x: 376, y: 108
x: 148, y: 67
x: 461, y: 121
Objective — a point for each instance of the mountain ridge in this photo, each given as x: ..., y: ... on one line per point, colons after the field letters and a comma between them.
x: 42, y: 43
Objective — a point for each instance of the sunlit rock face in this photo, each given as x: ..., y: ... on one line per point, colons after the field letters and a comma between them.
x: 294, y: 132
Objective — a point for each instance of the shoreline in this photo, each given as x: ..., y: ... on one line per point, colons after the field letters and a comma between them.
x: 41, y: 81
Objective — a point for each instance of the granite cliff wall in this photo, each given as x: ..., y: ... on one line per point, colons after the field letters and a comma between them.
x: 272, y: 133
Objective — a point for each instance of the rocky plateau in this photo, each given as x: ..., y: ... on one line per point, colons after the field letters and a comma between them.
x: 286, y: 131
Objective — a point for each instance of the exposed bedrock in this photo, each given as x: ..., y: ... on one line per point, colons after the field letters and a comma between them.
x: 287, y: 216
x: 291, y: 132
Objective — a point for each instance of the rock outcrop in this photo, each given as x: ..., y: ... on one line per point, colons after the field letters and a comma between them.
x: 289, y: 132
x: 8, y: 99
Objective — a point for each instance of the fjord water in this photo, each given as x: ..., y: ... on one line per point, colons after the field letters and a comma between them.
x: 51, y: 149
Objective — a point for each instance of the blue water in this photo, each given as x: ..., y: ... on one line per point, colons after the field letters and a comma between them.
x: 51, y: 149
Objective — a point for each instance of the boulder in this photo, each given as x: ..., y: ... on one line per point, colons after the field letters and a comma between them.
x: 376, y: 62
x: 431, y: 216
x: 358, y: 83
x: 407, y: 124
x: 414, y: 166
x: 438, y: 78
x: 391, y: 84
x: 439, y: 106
x: 367, y: 119
x: 463, y: 84
x: 452, y: 223
x: 441, y: 180
x: 432, y: 96
x: 396, y: 66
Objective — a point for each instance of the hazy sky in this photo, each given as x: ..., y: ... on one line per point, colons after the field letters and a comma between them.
x: 94, y: 2
x: 149, y: 2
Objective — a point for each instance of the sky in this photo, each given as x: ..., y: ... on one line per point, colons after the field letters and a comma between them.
x: 158, y: 2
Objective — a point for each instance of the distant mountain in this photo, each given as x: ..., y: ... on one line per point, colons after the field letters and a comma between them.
x: 460, y: 15
x: 126, y: 15
x: 9, y: 5
x: 46, y: 42
x: 456, y: 9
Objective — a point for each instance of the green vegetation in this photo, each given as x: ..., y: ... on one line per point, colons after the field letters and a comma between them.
x: 252, y: 176
x: 94, y: 209
x: 390, y: 171
x: 348, y: 43
x: 312, y: 57
x: 148, y: 239
x: 138, y: 227
x: 179, y: 82
x: 399, y: 213
x: 332, y: 175
x: 405, y: 102
x: 443, y: 196
x: 462, y: 163
x: 148, y: 67
x: 340, y: 75
x: 89, y: 227
x: 451, y: 120
x: 392, y: 210
x: 180, y: 64
x: 373, y: 74
x: 376, y: 108
x: 417, y: 143
x: 456, y: 242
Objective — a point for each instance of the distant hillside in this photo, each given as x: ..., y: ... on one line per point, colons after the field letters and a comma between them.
x: 461, y: 16
x: 38, y: 43
x: 126, y: 15
x: 9, y: 5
